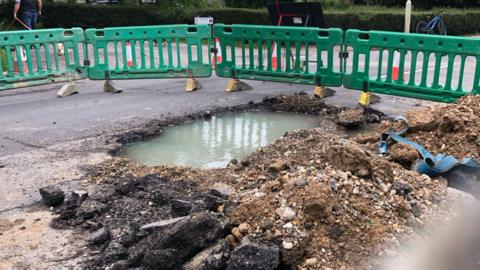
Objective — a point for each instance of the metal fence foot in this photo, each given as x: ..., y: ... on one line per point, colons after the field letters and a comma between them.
x: 323, y: 92
x: 192, y: 85
x: 367, y: 98
x: 111, y: 87
x: 68, y: 89
x: 237, y: 85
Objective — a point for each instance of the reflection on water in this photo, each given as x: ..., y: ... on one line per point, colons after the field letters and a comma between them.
x: 213, y: 143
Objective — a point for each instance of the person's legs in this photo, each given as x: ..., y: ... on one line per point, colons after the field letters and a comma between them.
x: 25, y: 18
x: 29, y: 18
x: 33, y: 20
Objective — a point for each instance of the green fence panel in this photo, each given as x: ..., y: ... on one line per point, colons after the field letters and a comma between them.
x: 439, y: 68
x: 40, y: 57
x: 147, y: 52
x: 303, y: 55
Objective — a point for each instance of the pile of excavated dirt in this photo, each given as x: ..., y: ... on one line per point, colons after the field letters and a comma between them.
x: 328, y: 202
x: 451, y: 129
x: 311, y: 200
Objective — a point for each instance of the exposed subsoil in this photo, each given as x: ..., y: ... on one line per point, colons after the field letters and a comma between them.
x: 450, y: 129
x: 312, y: 200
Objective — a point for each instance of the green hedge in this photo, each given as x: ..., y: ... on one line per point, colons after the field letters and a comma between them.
x: 458, y: 21
x: 427, y: 4
x: 234, y: 15
x: 250, y: 3
x: 87, y: 16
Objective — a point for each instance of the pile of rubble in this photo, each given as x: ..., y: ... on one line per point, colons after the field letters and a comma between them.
x: 329, y: 203
x: 311, y: 200
x: 445, y: 129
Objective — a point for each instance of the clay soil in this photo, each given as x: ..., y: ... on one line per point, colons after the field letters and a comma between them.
x: 447, y: 129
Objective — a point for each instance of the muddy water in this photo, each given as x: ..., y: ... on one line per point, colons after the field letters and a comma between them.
x: 213, y: 143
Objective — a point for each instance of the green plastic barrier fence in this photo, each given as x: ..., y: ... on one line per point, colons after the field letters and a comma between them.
x: 412, y: 65
x: 303, y: 55
x: 40, y: 57
x: 167, y: 51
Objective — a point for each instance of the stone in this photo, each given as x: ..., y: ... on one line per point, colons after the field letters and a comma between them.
x: 244, y: 227
x: 90, y: 209
x: 236, y: 232
x: 245, y: 162
x: 181, y: 207
x: 404, y: 154
x: 120, y: 265
x: 421, y: 121
x: 335, y: 232
x: 292, y: 253
x: 115, y: 252
x: 402, y: 189
x: 250, y: 255
x: 162, y: 223
x: 207, y: 115
x: 80, y: 195
x: 212, y: 258
x: 321, y: 208
x: 416, y: 209
x: 161, y: 259
x: 187, y: 237
x: 311, y: 262
x: 161, y: 198
x: 351, y: 118
x: 278, y: 166
x: 286, y: 213
x: 52, y: 196
x: 100, y: 236
x: 125, y: 187
x: 350, y: 157
x: 288, y: 226
x: 213, y: 202
x: 103, y: 196
x: 223, y: 189
x: 300, y: 181
x: 232, y: 240
x: 287, y: 245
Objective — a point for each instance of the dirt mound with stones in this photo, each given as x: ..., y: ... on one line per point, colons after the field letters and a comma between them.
x: 451, y: 129
x: 329, y: 203
x: 311, y: 200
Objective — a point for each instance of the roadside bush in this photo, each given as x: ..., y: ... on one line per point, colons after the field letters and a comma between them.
x: 70, y: 15
x: 427, y: 4
x: 250, y: 3
x: 458, y: 21
x: 82, y: 15
x: 234, y: 15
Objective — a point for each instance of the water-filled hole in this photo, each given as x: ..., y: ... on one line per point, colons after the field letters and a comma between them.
x: 213, y: 143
